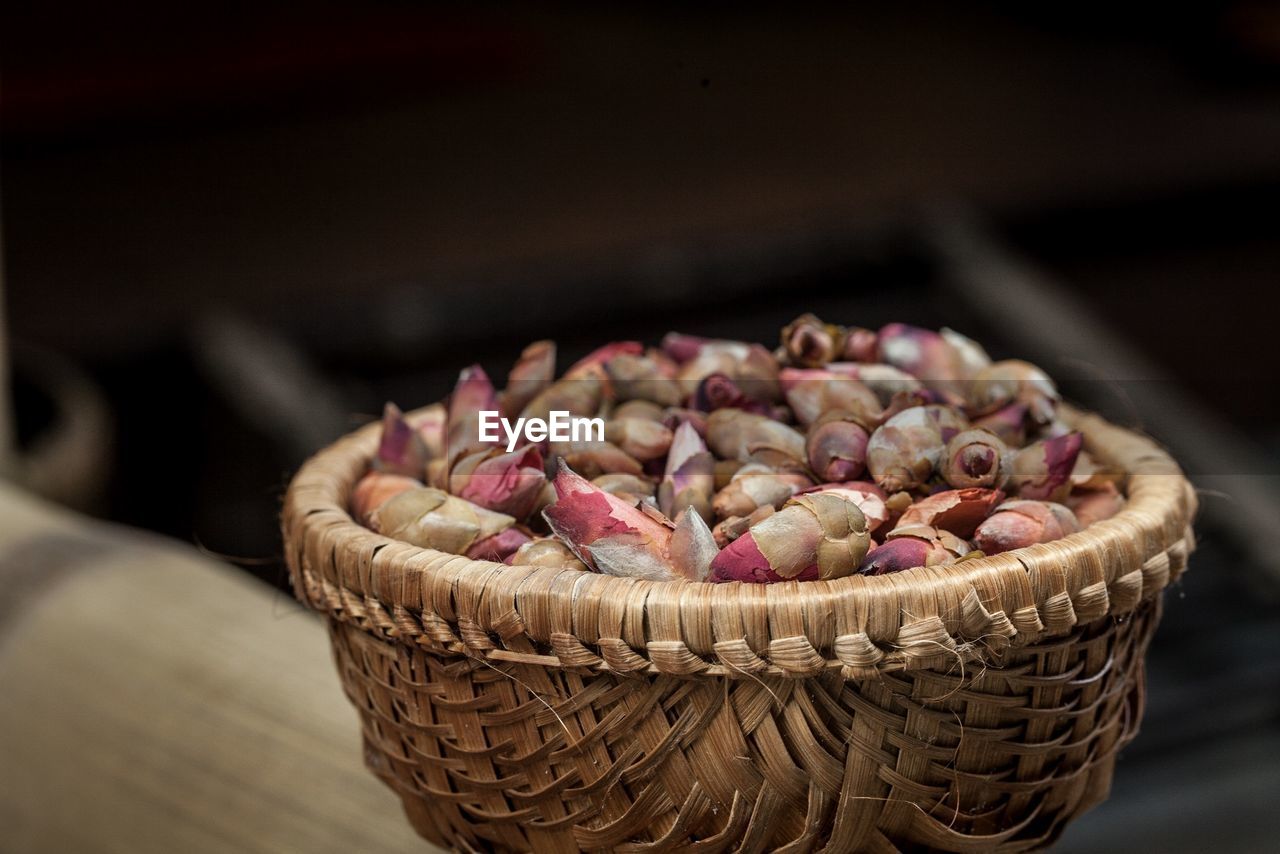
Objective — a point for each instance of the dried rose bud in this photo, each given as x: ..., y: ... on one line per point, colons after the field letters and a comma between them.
x: 870, y: 499
x: 859, y: 345
x: 904, y: 451
x: 674, y: 416
x: 1018, y: 523
x: 972, y: 358
x: 752, y: 367
x: 755, y: 485
x: 645, y: 410
x: 837, y: 447
x: 814, y: 536
x: 498, y: 547
x: 472, y: 395
x: 885, y: 381
x: 546, y: 552
x: 693, y: 547
x: 580, y: 396
x: 592, y: 364
x: 644, y: 440
x: 717, y: 391
x: 974, y: 458
x: 606, y: 533
x: 1012, y: 380
x: 595, y: 458
x: 1094, y: 505
x: 912, y: 546
x: 735, y: 526
x: 1009, y: 423
x: 922, y: 353
x: 809, y: 342
x: 689, y: 478
x: 811, y: 393
x: 531, y: 374
x: 682, y: 348
x: 431, y: 422
x: 375, y: 489
x: 506, y: 482
x: 725, y: 470
x: 401, y: 450
x: 642, y: 377
x: 959, y: 511
x: 432, y: 518
x: 1042, y: 470
x: 734, y: 434
x: 627, y: 486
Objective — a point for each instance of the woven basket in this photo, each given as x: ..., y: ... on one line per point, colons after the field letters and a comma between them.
x: 971, y: 707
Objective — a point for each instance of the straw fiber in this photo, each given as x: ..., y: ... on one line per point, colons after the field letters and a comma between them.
x: 972, y: 707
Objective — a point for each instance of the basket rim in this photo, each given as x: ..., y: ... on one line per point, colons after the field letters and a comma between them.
x: 916, y: 618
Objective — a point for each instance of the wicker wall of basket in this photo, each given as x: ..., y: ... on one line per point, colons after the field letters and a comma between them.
x: 971, y: 707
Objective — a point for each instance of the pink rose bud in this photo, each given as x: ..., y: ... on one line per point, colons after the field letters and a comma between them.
x: 1017, y: 524
x: 580, y: 396
x: 870, y: 499
x: 432, y: 518
x: 812, y: 393
x: 506, y: 482
x: 546, y: 552
x: 809, y: 342
x: 734, y: 434
x: 472, y: 395
x: 1008, y: 423
x: 401, y: 450
x: 959, y: 511
x: 1094, y: 505
x: 817, y: 535
x: 1042, y: 470
x: 645, y: 440
x: 498, y: 547
x: 904, y: 451
x: 974, y: 458
x: 689, y: 479
x: 837, y: 448
x: 375, y: 489
x: 532, y: 373
x: 922, y: 353
x: 1010, y: 381
x: 755, y: 485
x: 912, y: 546
x: 606, y: 533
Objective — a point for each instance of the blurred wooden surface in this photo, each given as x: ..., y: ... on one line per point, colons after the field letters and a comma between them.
x: 152, y: 700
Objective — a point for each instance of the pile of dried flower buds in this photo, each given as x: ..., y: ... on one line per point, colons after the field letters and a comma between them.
x: 845, y: 450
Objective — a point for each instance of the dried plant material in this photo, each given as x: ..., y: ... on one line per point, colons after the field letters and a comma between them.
x: 532, y: 373
x: 593, y: 364
x: 975, y: 458
x: 904, y: 451
x: 1008, y: 423
x: 506, y: 482
x: 837, y: 447
x: 640, y: 438
x: 473, y: 394
x: 375, y: 489
x: 885, y: 381
x: 547, y: 553
x: 580, y: 397
x: 871, y: 500
x: 692, y: 547
x: 755, y: 485
x: 923, y: 353
x: 628, y: 486
x: 734, y: 434
x: 431, y: 422
x: 972, y: 356
x: 432, y: 518
x: 1094, y: 505
x: 401, y: 449
x: 733, y: 527
x: 498, y: 547
x: 816, y: 535
x: 812, y: 393
x: 1017, y: 524
x: 959, y: 511
x: 689, y: 478
x: 593, y: 459
x: 644, y: 410
x: 911, y: 546
x: 1042, y: 470
x: 643, y: 377
x: 1010, y: 381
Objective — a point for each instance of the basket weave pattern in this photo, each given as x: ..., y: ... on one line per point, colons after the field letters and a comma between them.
x: 971, y: 707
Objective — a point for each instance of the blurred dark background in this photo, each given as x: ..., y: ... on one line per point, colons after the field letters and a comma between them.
x: 231, y: 233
